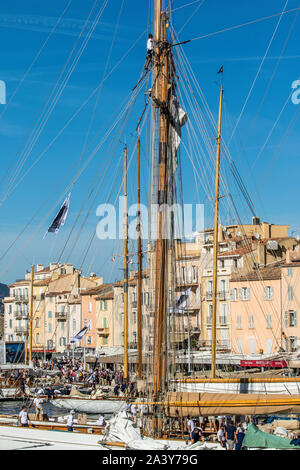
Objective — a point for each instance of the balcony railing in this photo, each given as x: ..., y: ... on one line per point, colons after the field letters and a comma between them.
x: 187, y: 282
x: 223, y: 320
x: 61, y: 316
x: 103, y: 331
x: 223, y: 345
x: 21, y: 315
x: 21, y: 298
x: 21, y: 330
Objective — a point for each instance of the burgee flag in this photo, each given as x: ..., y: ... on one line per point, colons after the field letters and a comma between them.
x: 77, y: 338
x: 61, y: 217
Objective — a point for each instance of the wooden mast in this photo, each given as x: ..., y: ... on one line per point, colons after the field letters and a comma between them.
x: 160, y: 100
x: 125, y: 269
x: 216, y: 227
x: 140, y: 354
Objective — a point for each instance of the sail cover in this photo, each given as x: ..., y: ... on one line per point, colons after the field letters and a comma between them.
x: 214, y: 404
x: 257, y: 439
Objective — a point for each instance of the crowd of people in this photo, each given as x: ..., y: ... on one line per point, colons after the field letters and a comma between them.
x: 73, y: 372
x: 229, y: 436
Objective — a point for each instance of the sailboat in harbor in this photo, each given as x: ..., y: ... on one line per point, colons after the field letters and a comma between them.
x: 168, y: 398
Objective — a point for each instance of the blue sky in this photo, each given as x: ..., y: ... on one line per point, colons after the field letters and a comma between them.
x: 271, y: 176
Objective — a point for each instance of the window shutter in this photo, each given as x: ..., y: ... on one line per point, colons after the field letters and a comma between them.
x: 286, y: 319
x: 240, y: 294
x: 265, y: 293
x: 295, y: 318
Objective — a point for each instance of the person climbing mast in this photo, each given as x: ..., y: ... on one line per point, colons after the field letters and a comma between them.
x: 150, y: 51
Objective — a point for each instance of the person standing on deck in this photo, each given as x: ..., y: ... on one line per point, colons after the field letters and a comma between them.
x: 190, y: 427
x: 24, y: 418
x: 239, y: 437
x: 70, y: 421
x: 230, y: 435
x: 38, y: 405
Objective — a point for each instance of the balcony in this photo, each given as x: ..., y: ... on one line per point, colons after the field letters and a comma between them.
x: 209, y: 295
x: 21, y: 315
x: 187, y: 282
x: 223, y: 320
x: 21, y: 330
x: 224, y: 345
x: 134, y: 304
x: 21, y: 298
x: 103, y: 331
x: 61, y: 316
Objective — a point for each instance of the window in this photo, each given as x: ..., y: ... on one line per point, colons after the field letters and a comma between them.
x: 49, y: 327
x: 290, y: 272
x: 89, y: 306
x: 38, y: 338
x: 50, y: 300
x: 104, y: 322
x: 37, y: 322
x: 245, y: 293
x: 251, y: 321
x: 291, y: 318
x: 223, y: 313
x: 239, y: 346
x: 74, y: 325
x: 134, y: 317
x: 10, y: 323
x: 269, y: 346
x: 239, y: 322
x: 268, y: 293
x: 210, y: 312
x: 252, y: 346
x: 62, y: 341
x: 89, y: 340
x: 269, y: 321
x: 49, y: 314
x: 183, y: 274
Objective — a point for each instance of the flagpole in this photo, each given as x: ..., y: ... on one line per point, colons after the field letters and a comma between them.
x: 215, y: 249
x: 125, y: 270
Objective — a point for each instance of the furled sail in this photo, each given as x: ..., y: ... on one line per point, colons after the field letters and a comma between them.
x: 178, y: 118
